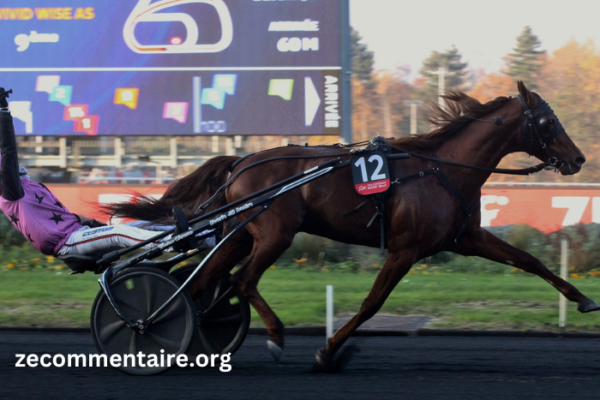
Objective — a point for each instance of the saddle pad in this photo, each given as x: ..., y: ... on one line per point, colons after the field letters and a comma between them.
x: 370, y: 172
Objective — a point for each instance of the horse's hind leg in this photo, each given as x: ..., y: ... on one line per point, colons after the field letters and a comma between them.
x: 264, y: 253
x: 482, y: 243
x: 396, y: 265
x: 232, y: 252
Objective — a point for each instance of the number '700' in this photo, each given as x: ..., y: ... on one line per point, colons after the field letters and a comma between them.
x: 576, y: 206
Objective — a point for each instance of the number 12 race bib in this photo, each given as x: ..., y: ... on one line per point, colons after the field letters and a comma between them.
x: 370, y: 172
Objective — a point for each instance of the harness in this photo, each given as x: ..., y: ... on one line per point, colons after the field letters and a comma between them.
x: 379, y: 199
x: 534, y: 125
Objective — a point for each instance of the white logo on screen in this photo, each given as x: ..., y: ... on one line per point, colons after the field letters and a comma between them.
x: 295, y: 44
x: 22, y: 40
x: 22, y: 110
x: 294, y: 26
x: 146, y: 12
x: 332, y: 113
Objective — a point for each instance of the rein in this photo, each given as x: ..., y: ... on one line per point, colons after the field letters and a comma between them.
x: 506, y: 171
x: 232, y: 179
x: 529, y: 126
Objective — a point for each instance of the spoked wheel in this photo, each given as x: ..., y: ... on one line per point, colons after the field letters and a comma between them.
x: 223, y: 317
x: 139, y: 292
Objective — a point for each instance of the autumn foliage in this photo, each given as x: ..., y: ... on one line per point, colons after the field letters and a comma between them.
x: 569, y: 80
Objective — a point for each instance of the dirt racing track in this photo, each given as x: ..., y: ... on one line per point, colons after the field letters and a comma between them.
x: 410, y: 367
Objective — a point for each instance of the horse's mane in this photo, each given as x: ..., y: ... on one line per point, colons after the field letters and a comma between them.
x: 460, y: 109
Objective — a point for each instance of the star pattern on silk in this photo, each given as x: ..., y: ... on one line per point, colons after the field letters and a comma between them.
x: 14, y: 219
x: 56, y: 218
x: 39, y: 198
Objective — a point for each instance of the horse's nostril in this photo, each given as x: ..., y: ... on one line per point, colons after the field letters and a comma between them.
x: 579, y: 161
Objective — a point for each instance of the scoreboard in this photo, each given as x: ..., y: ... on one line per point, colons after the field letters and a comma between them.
x: 176, y: 67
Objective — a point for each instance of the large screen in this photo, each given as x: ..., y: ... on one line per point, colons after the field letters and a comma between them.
x: 173, y: 67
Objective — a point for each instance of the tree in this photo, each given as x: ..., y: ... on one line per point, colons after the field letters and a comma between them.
x: 456, y: 72
x: 491, y: 86
x: 571, y: 85
x: 395, y: 114
x: 570, y: 82
x: 381, y: 111
x: 362, y: 61
x: 365, y: 112
x: 526, y: 61
x: 364, y: 117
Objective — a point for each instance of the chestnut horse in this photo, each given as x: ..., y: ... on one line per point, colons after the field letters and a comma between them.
x: 424, y: 215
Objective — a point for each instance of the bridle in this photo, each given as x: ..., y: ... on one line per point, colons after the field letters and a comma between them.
x: 536, y: 125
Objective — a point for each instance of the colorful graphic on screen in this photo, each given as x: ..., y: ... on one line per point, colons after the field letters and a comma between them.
x: 127, y: 96
x: 172, y: 67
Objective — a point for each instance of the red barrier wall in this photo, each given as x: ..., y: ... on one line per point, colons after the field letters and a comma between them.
x: 547, y: 208
x: 85, y: 199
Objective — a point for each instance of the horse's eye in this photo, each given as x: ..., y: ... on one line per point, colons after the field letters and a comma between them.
x: 543, y: 124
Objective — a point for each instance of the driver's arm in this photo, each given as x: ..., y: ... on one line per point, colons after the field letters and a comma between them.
x: 9, y: 175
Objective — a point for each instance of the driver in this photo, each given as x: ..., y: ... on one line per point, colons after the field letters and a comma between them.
x: 45, y: 222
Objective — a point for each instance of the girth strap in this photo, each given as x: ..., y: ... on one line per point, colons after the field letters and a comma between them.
x: 380, y: 199
x: 378, y: 143
x: 453, y: 190
x: 466, y: 208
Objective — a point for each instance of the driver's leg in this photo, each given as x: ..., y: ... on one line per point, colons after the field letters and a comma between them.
x: 103, y: 239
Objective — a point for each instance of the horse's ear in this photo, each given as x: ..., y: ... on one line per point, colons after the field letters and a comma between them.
x: 525, y: 93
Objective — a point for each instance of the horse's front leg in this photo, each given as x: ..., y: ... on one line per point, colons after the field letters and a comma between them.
x: 482, y: 243
x: 396, y: 265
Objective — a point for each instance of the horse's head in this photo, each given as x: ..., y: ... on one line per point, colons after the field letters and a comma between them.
x: 543, y: 136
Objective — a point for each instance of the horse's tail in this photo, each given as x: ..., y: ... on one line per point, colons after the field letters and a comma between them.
x: 188, y: 193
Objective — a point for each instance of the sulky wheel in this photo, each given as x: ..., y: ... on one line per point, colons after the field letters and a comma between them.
x: 223, y: 320
x: 139, y: 292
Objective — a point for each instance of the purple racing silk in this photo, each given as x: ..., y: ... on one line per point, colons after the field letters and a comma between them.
x: 29, y: 205
x: 40, y: 217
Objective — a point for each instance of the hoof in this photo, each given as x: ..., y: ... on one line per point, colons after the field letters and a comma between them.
x: 322, y: 357
x: 275, y: 350
x: 588, y: 305
x: 328, y: 364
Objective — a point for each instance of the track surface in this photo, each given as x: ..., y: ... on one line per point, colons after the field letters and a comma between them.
x: 387, y: 367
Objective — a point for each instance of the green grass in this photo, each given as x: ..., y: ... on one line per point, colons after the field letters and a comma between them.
x: 514, y: 301
x: 46, y: 298
x: 453, y: 300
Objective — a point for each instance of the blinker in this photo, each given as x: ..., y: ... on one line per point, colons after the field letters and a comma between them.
x: 543, y: 124
x: 537, y: 120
